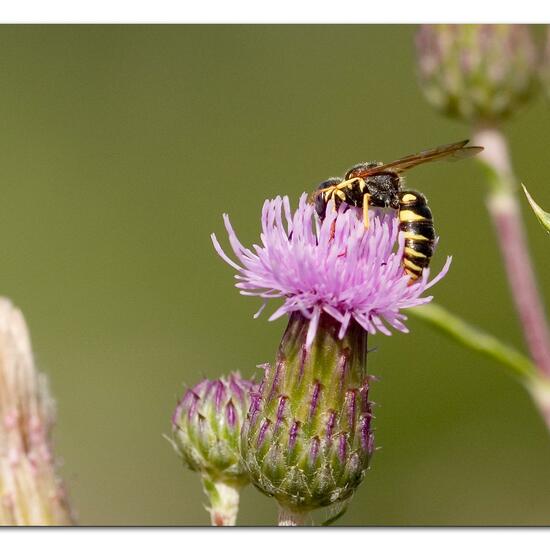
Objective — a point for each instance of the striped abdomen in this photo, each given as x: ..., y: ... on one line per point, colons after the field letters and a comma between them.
x: 416, y: 224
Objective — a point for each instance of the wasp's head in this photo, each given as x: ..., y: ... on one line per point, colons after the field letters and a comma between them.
x: 320, y: 199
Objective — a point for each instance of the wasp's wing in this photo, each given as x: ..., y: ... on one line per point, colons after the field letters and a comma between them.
x: 453, y: 151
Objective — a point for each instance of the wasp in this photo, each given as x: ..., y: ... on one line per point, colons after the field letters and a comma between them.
x: 382, y: 185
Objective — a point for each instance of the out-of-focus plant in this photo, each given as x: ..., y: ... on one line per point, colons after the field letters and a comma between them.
x: 31, y: 493
x: 482, y: 75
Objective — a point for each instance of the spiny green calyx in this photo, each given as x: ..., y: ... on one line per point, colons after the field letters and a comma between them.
x: 477, y: 73
x: 307, y: 438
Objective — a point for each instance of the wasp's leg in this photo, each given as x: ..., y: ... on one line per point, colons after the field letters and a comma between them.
x: 366, y: 198
x: 343, y: 184
x: 339, y: 198
x: 346, y: 183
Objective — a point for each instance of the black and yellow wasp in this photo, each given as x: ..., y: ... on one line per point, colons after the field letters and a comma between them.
x: 381, y: 185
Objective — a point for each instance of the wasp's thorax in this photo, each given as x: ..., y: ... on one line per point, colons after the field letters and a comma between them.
x: 383, y: 189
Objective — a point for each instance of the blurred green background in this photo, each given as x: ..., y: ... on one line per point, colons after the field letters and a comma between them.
x: 121, y: 146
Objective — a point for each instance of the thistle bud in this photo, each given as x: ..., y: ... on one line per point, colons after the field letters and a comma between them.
x: 478, y: 73
x: 307, y: 438
x: 31, y: 492
x: 206, y: 428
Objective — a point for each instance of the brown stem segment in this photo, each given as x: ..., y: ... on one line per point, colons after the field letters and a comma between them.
x: 504, y: 209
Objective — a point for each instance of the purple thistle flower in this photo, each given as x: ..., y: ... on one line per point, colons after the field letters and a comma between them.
x: 354, y: 274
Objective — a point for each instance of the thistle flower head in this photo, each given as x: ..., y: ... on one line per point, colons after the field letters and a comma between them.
x: 477, y: 73
x: 335, y: 267
x: 206, y: 427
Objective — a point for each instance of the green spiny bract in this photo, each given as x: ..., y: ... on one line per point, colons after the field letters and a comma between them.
x: 307, y: 439
x: 478, y: 73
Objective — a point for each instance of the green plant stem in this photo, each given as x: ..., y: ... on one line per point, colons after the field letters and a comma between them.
x: 475, y: 339
x: 224, y: 501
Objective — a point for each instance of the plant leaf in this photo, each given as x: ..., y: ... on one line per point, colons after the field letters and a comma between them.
x: 543, y: 217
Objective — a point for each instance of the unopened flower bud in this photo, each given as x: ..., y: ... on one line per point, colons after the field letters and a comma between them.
x: 30, y: 491
x: 478, y: 73
x: 206, y: 433
x: 307, y: 439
